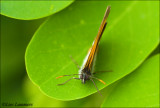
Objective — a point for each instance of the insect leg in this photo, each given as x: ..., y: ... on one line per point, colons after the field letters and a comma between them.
x: 96, y: 86
x: 68, y: 80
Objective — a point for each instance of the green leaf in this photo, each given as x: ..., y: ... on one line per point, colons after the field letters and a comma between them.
x: 131, y: 35
x: 40, y: 100
x: 37, y: 98
x: 139, y: 89
x: 28, y: 10
x: 15, y: 36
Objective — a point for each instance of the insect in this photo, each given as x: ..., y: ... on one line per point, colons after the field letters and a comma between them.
x: 86, y: 70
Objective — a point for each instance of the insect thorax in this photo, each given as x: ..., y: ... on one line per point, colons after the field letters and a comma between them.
x: 85, y: 75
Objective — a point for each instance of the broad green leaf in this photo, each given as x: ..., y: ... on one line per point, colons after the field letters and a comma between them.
x: 28, y: 10
x: 40, y: 100
x: 131, y: 35
x: 139, y: 89
x: 156, y: 51
x: 15, y: 35
x: 37, y: 98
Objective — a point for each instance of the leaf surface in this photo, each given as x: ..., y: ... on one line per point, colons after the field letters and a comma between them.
x: 131, y: 35
x: 139, y: 89
x: 28, y: 10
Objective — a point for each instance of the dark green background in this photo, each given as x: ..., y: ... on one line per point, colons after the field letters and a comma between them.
x: 15, y: 83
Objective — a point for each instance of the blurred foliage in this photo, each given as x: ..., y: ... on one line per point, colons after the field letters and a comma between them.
x: 16, y: 34
x: 138, y: 89
x: 39, y: 99
x: 32, y: 9
x: 156, y: 51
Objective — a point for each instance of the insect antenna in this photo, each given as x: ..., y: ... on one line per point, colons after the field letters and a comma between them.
x: 66, y: 75
x: 74, y: 61
x: 99, y: 80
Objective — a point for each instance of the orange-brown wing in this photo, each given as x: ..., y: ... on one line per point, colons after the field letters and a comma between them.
x: 96, y: 41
